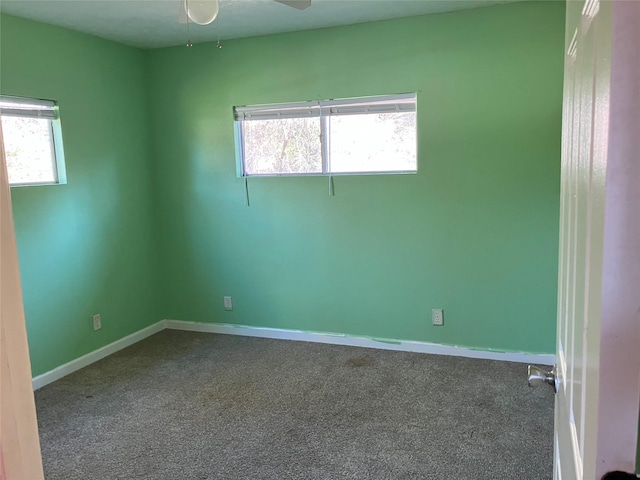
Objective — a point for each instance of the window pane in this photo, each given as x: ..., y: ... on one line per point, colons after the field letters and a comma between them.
x: 29, y: 150
x: 380, y: 142
x: 282, y: 146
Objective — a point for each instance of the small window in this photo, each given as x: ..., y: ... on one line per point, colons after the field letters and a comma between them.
x: 329, y: 137
x: 32, y: 141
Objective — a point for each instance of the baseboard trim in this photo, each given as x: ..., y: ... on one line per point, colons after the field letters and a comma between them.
x: 81, y: 362
x: 284, y: 334
x: 355, y: 341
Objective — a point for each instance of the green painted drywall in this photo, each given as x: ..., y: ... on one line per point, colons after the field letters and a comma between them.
x: 86, y: 247
x: 475, y: 232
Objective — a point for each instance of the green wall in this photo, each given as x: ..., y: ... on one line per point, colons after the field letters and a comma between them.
x: 475, y: 232
x: 152, y: 223
x: 86, y: 247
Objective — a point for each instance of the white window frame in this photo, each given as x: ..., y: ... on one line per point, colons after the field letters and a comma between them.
x: 38, y: 108
x: 324, y: 109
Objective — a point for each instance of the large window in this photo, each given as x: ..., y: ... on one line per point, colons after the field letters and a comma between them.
x: 32, y: 141
x: 347, y: 136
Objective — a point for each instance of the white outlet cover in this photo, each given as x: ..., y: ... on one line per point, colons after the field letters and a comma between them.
x: 228, y: 303
x: 437, y: 316
x: 97, y: 322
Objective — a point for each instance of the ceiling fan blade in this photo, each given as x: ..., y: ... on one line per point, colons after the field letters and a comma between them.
x: 299, y: 4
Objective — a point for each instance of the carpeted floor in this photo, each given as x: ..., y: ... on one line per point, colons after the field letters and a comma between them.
x: 183, y: 405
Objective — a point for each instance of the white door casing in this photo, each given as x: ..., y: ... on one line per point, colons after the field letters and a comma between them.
x: 619, y: 386
x: 599, y: 264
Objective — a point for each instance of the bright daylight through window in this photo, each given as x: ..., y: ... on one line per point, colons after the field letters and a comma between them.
x: 32, y: 141
x: 346, y: 136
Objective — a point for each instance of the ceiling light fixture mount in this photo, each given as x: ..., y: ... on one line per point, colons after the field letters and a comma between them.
x: 202, y: 12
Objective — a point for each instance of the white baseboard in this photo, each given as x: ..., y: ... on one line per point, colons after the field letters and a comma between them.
x: 354, y: 341
x: 282, y: 334
x: 99, y: 354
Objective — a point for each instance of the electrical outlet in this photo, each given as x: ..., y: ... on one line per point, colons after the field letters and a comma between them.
x: 97, y: 322
x: 437, y: 316
x: 228, y: 303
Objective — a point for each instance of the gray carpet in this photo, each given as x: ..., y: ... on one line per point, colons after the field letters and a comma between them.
x: 183, y: 405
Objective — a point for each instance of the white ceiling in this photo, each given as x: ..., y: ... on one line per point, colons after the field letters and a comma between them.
x: 155, y: 23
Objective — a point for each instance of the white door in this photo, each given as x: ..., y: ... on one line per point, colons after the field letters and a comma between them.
x: 598, y: 337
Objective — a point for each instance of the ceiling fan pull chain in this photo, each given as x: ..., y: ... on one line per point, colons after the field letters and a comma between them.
x: 186, y: 7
